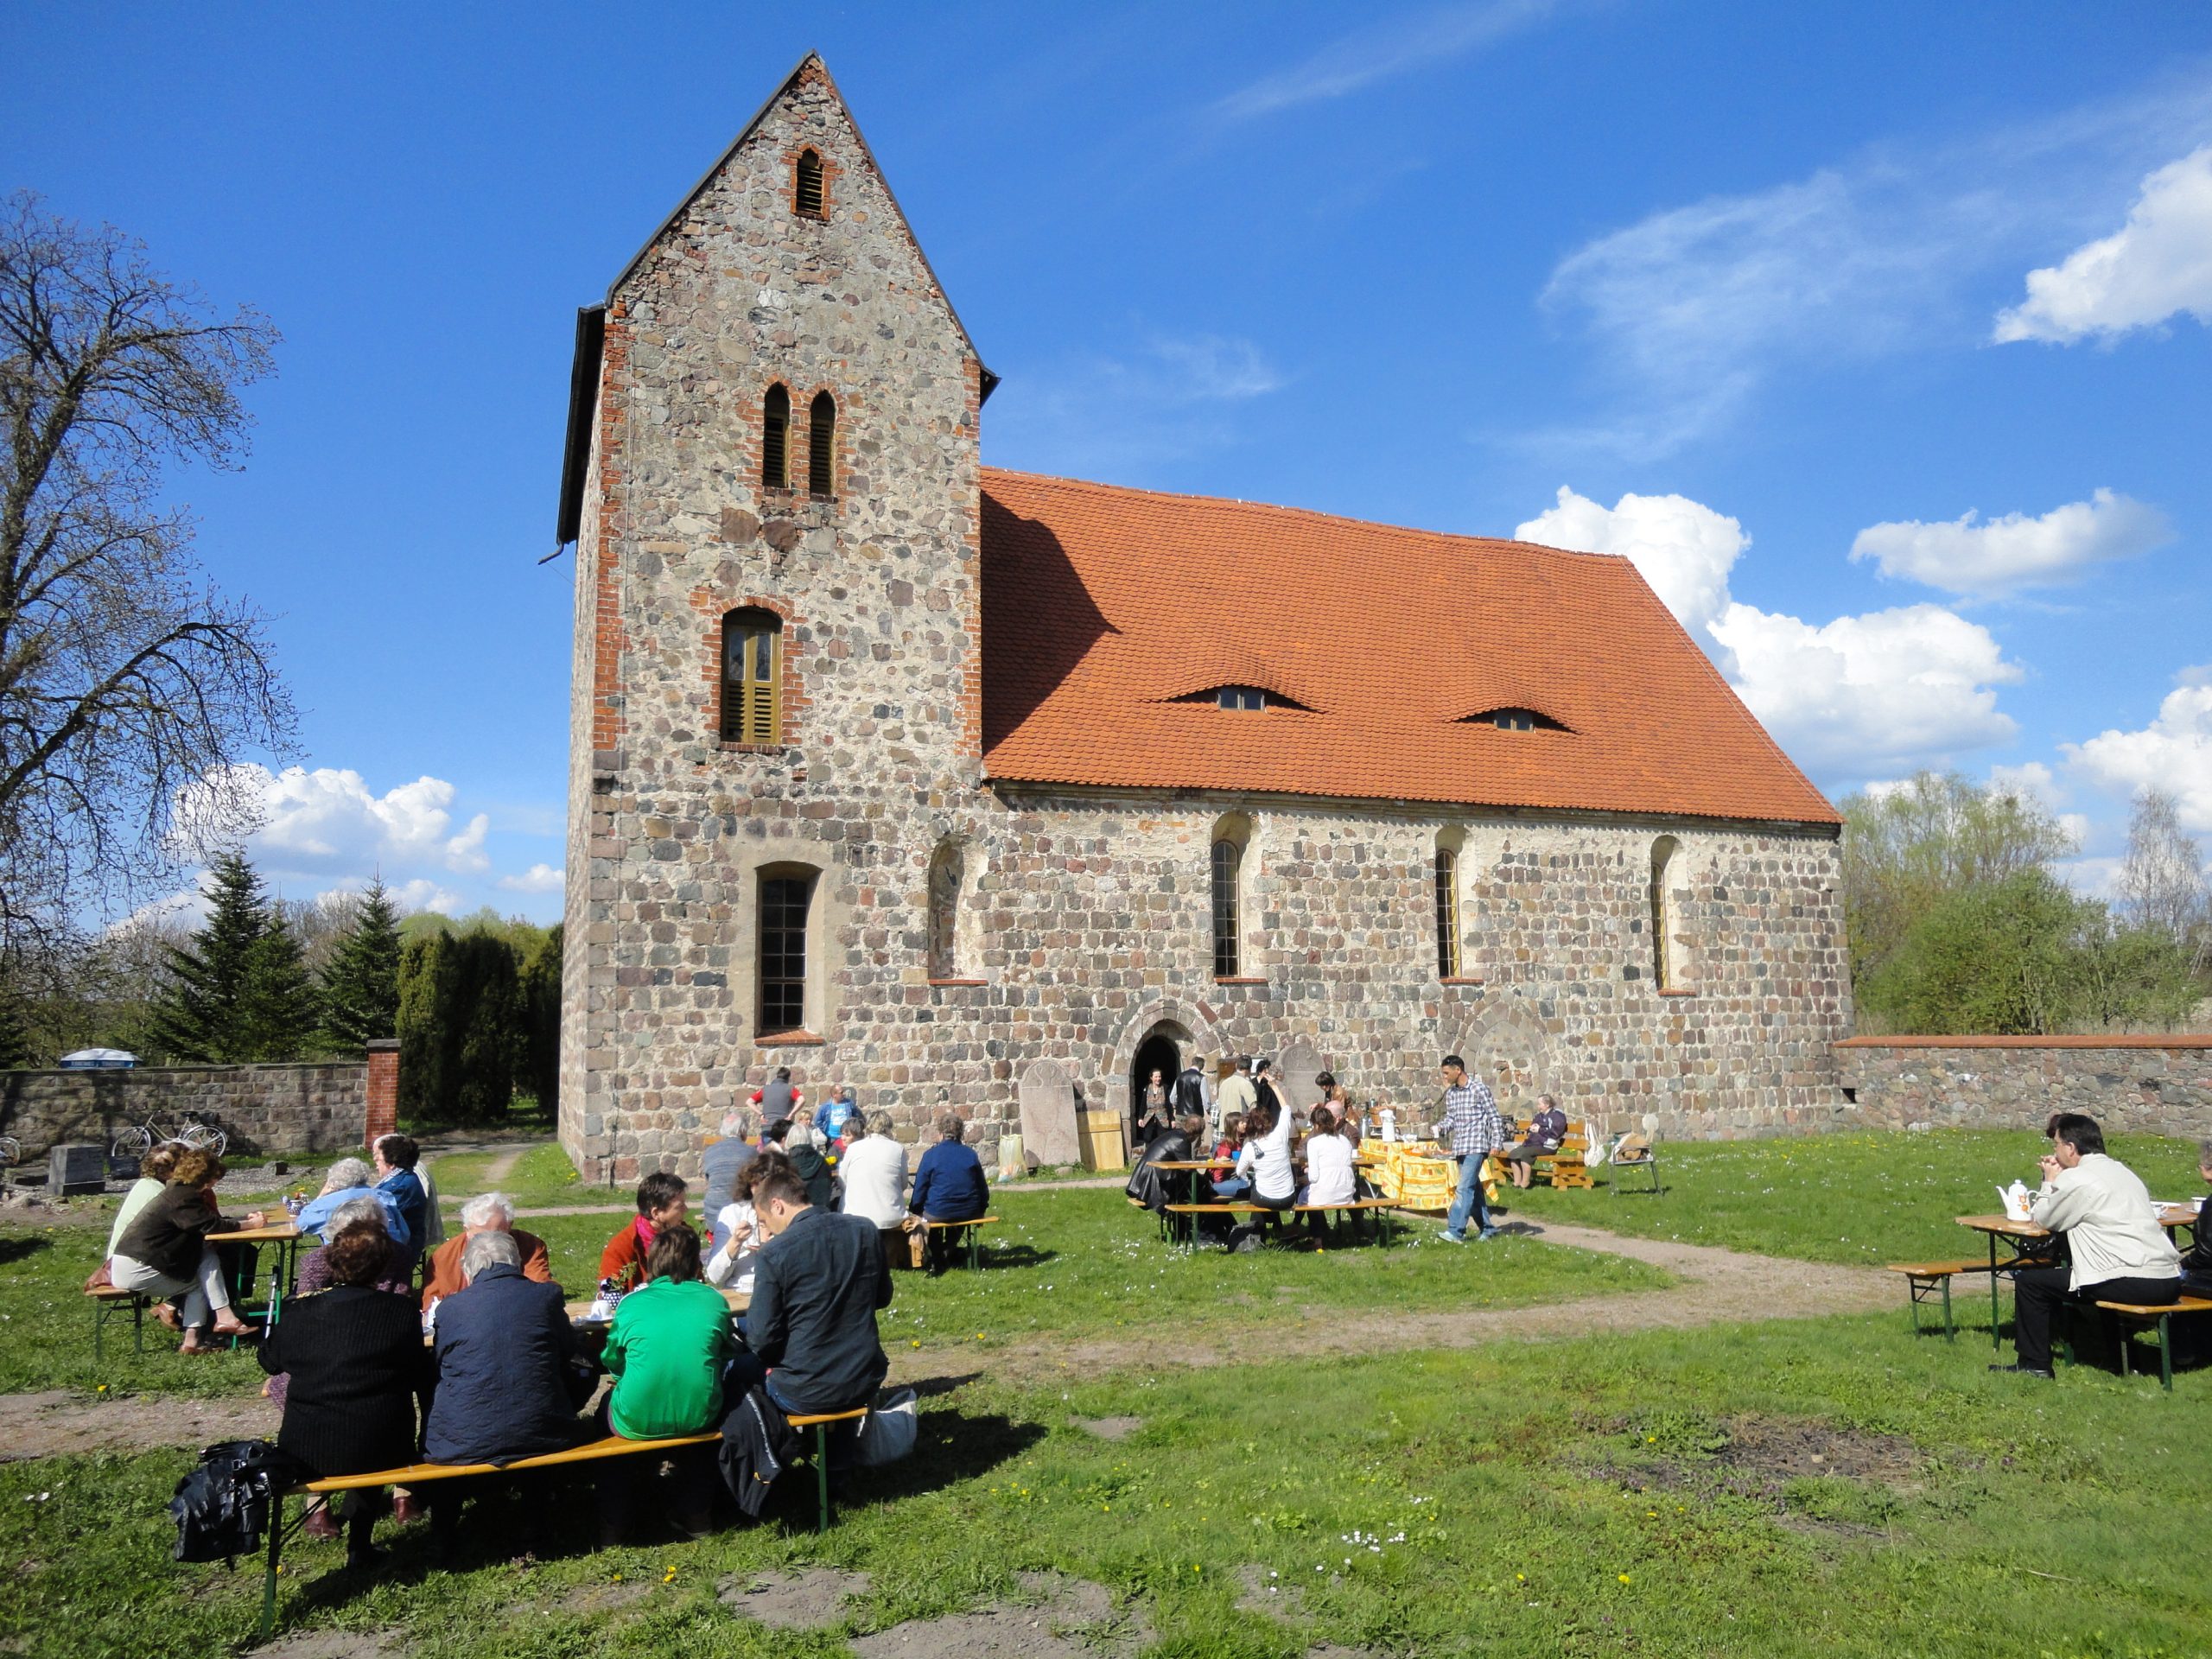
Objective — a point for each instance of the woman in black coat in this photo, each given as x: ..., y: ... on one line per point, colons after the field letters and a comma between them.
x: 358, y: 1367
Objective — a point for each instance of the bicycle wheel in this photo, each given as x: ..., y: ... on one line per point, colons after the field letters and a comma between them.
x: 134, y: 1142
x: 11, y: 1152
x: 202, y: 1137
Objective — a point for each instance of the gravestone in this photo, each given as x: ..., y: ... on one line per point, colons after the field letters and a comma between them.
x: 1299, y: 1065
x: 76, y: 1169
x: 1048, y: 1114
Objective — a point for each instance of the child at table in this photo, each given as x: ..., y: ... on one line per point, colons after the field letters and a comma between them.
x: 1228, y: 1186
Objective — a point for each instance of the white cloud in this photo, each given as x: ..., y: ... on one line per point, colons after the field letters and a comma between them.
x: 538, y: 877
x: 1214, y: 366
x: 1357, y: 61
x: 1861, y: 695
x: 1880, y: 692
x: 2156, y: 266
x: 2174, y: 753
x: 1999, y: 557
x: 1684, y: 549
x: 1691, y: 308
x: 329, y: 820
x: 422, y: 893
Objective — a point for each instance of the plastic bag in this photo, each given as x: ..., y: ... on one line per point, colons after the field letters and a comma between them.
x: 889, y: 1432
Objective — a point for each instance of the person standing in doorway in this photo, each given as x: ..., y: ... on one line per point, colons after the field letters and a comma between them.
x: 1471, y: 1131
x: 1151, y: 1111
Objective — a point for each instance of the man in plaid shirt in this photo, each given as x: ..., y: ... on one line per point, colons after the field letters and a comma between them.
x: 1471, y: 1131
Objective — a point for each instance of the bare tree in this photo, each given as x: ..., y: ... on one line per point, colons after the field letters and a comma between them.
x: 2162, y: 883
x: 125, y: 680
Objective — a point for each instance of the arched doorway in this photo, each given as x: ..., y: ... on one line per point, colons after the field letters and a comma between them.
x: 1161, y: 1051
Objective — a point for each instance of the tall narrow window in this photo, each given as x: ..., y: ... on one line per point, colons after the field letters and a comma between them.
x: 776, y: 438
x: 1227, y: 860
x: 1666, y: 949
x: 945, y: 879
x: 784, y: 903
x: 1447, y: 913
x: 822, y: 445
x: 753, y: 702
x: 808, y: 197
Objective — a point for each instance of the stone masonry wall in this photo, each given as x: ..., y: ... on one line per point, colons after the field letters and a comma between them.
x: 2147, y: 1085
x: 670, y: 828
x: 1084, y: 921
x: 262, y: 1108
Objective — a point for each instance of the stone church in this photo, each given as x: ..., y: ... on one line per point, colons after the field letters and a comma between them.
x: 977, y: 789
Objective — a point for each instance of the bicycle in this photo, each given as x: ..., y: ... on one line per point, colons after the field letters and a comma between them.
x: 140, y: 1138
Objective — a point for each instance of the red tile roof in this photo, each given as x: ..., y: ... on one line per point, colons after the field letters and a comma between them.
x: 1101, y: 604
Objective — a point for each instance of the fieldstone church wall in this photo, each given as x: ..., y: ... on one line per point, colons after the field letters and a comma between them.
x: 1080, y: 922
x: 2159, y: 1085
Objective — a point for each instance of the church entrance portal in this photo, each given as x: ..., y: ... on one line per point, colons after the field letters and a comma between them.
x: 1158, y: 1051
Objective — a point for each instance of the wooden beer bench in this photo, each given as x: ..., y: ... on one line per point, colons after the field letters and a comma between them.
x: 974, y: 1240
x: 2147, y: 1316
x: 1925, y: 1280
x: 613, y: 1445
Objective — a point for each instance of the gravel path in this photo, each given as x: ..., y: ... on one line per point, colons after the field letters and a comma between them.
x: 1719, y: 1287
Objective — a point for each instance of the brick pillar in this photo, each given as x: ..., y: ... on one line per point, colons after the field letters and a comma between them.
x: 383, y: 1090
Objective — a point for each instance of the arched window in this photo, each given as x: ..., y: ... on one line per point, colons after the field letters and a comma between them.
x: 822, y: 445
x: 752, y: 699
x: 1227, y: 860
x: 947, y: 871
x: 1667, y: 953
x: 809, y: 199
x: 776, y: 438
x: 784, y: 900
x: 1447, y: 911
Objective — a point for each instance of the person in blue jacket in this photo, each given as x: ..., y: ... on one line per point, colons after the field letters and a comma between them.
x: 349, y: 1179
x: 396, y: 1156
x: 949, y: 1186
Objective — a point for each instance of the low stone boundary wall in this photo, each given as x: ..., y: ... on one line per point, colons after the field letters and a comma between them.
x: 319, y: 1107
x: 2149, y: 1084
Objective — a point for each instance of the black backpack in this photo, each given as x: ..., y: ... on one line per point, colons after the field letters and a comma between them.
x: 222, y: 1506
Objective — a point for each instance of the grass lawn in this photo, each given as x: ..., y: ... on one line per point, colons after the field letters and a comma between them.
x: 1831, y: 1486
x: 1839, y: 1197
x: 1072, y: 1263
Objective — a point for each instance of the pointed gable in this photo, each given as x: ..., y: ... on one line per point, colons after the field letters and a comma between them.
x: 1103, y: 607
x: 806, y: 108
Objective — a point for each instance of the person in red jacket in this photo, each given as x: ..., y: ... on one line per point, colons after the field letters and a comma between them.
x: 663, y: 1201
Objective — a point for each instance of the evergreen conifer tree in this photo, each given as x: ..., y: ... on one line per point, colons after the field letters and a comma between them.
x: 280, y: 1013
x: 541, y: 1001
x: 15, y: 1029
x: 203, y: 1014
x: 360, y: 985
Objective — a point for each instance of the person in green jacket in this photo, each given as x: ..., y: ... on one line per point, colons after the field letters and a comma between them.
x: 668, y: 1348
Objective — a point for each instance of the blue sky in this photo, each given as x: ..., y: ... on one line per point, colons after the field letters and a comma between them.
x: 1752, y: 283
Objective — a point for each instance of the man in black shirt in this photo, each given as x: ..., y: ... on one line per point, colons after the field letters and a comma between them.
x: 816, y: 1286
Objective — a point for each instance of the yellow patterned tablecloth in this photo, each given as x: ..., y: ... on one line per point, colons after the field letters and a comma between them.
x: 1419, y: 1174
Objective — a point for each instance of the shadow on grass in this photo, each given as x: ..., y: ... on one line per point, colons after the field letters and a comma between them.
x: 14, y: 1249
x: 554, y: 1515
x: 1013, y: 1256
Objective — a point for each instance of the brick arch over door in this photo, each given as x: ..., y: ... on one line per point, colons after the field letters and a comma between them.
x: 1206, y: 1038
x: 1506, y: 1045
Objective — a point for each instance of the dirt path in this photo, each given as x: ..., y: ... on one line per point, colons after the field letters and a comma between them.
x: 61, y: 1422
x: 1719, y: 1288
x: 502, y: 1167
